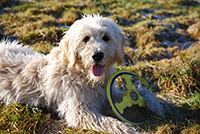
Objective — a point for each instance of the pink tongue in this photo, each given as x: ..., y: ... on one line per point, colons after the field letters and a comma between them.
x: 97, y: 70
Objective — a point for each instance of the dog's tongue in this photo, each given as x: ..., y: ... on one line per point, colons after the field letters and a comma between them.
x: 97, y: 70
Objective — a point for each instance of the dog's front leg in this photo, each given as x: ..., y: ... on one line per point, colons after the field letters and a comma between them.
x: 84, y: 118
x: 99, y: 122
x: 151, y: 101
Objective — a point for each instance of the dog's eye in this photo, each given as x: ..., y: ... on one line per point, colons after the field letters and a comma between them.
x: 105, y: 38
x: 86, y: 39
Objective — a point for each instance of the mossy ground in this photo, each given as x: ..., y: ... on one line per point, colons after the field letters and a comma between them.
x: 164, y: 49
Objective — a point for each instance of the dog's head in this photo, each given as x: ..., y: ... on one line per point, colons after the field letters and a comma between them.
x: 92, y: 45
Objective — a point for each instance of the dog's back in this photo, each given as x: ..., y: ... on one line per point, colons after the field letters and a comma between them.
x: 14, y: 58
x: 15, y: 50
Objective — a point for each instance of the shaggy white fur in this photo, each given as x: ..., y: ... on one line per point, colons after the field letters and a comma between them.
x: 71, y: 80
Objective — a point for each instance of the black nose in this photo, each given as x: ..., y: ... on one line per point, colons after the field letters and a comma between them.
x: 98, y: 56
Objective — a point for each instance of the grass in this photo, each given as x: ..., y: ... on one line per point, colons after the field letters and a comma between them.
x: 164, y: 49
x: 21, y: 119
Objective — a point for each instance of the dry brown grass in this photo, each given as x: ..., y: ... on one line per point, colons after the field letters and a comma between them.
x: 179, y: 74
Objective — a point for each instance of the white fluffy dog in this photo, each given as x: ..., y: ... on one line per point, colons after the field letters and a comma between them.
x: 72, y: 79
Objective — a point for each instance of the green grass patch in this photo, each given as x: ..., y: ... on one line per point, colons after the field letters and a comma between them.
x: 22, y: 119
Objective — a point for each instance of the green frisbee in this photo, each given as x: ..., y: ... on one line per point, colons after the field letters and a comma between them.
x: 131, y: 96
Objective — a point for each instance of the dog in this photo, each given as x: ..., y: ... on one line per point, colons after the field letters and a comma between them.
x: 71, y: 80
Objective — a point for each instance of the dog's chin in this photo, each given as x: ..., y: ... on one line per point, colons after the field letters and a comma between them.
x: 97, y: 79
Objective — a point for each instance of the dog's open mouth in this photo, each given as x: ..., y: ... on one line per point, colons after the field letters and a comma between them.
x: 97, y: 70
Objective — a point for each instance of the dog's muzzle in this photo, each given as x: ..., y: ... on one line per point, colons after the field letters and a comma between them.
x: 97, y: 69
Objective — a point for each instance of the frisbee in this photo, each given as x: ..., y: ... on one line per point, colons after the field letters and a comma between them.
x: 131, y: 96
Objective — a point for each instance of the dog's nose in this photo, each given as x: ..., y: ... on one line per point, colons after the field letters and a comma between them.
x: 98, y: 56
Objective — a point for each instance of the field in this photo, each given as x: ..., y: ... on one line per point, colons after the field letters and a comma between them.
x: 164, y: 49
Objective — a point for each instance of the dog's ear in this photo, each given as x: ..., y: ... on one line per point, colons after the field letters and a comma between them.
x: 121, y: 40
x: 68, y: 45
x: 68, y: 56
x: 124, y: 42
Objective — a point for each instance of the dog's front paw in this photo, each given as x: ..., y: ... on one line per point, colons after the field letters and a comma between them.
x: 151, y: 101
